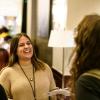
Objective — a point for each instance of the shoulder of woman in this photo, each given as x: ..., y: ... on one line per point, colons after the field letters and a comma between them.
x: 47, y: 67
x: 93, y: 73
x: 88, y: 80
x: 6, y: 70
x: 4, y: 74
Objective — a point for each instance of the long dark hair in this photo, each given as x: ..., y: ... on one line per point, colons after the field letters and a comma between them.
x: 38, y: 64
x: 87, y: 51
x: 4, y: 58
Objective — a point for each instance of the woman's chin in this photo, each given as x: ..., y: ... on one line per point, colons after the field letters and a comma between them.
x: 27, y: 58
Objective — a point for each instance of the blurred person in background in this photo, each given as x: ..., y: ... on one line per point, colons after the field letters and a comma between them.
x: 4, y: 58
x: 4, y: 33
x: 5, y: 38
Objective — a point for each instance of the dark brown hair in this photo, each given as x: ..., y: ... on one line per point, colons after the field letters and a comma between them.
x: 4, y: 58
x: 13, y: 53
x: 87, y: 51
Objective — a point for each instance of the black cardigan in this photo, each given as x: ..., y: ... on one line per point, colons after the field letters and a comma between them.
x: 87, y: 88
x: 2, y: 93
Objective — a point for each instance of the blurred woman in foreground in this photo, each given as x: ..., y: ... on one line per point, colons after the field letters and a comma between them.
x: 86, y: 63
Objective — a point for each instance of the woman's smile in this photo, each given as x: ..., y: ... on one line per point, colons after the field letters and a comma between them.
x: 25, y: 49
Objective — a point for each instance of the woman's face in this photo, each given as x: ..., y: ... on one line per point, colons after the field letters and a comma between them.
x: 25, y: 49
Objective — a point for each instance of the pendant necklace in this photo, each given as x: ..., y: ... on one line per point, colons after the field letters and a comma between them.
x: 31, y: 79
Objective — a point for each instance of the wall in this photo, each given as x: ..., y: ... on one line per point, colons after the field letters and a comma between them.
x: 77, y: 9
x: 12, y: 8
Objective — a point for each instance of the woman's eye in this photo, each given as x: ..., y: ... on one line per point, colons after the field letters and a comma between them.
x: 28, y: 43
x: 20, y: 45
x: 23, y: 44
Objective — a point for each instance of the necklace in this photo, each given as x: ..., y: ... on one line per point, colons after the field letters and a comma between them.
x: 29, y: 80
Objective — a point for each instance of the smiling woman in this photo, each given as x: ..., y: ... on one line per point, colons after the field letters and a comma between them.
x: 25, y: 72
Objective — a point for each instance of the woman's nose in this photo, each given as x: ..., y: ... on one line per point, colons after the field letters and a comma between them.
x: 26, y: 45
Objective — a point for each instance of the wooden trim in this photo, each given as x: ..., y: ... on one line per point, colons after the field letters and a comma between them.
x: 58, y: 78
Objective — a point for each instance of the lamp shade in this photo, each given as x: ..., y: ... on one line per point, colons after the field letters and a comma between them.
x: 61, y: 39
